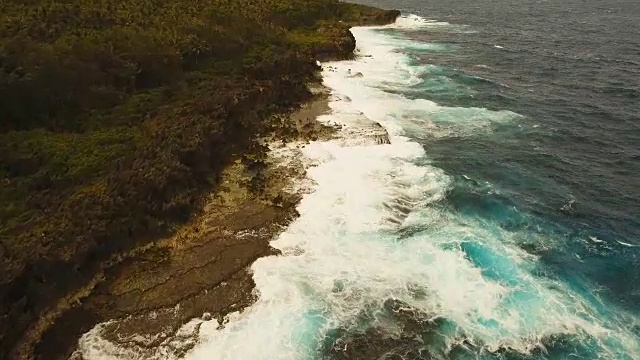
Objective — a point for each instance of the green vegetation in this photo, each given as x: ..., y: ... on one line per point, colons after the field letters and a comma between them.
x: 115, y: 115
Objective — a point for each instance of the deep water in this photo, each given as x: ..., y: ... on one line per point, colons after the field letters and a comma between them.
x: 502, y: 220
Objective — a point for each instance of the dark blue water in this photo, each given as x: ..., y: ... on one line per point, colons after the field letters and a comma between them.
x: 565, y: 176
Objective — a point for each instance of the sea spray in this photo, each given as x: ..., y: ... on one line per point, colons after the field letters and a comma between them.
x: 377, y: 229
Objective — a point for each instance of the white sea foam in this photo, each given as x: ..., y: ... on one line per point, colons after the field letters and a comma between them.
x: 384, y: 67
x: 626, y: 244
x: 416, y: 22
x: 345, y: 253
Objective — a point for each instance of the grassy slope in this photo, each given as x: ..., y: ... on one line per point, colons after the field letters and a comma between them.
x: 116, y: 115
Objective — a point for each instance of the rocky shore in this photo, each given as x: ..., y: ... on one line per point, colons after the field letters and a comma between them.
x: 166, y: 233
x: 156, y: 305
x: 202, y: 271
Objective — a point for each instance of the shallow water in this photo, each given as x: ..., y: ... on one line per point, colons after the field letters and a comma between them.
x: 501, y: 222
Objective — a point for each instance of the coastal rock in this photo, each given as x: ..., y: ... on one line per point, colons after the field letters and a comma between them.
x: 406, y: 341
x: 341, y: 45
x: 363, y: 130
x: 379, y: 134
x: 382, y: 17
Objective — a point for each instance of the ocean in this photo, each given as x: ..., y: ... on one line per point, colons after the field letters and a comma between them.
x: 502, y: 220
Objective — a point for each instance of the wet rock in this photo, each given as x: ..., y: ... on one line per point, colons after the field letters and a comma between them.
x: 382, y: 135
x: 404, y: 336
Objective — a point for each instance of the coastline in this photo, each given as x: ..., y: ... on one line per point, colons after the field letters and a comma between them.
x: 340, y: 249
x: 202, y: 271
x: 169, y: 276
x: 233, y: 231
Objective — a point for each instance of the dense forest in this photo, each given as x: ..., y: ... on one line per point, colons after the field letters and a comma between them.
x: 115, y: 116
